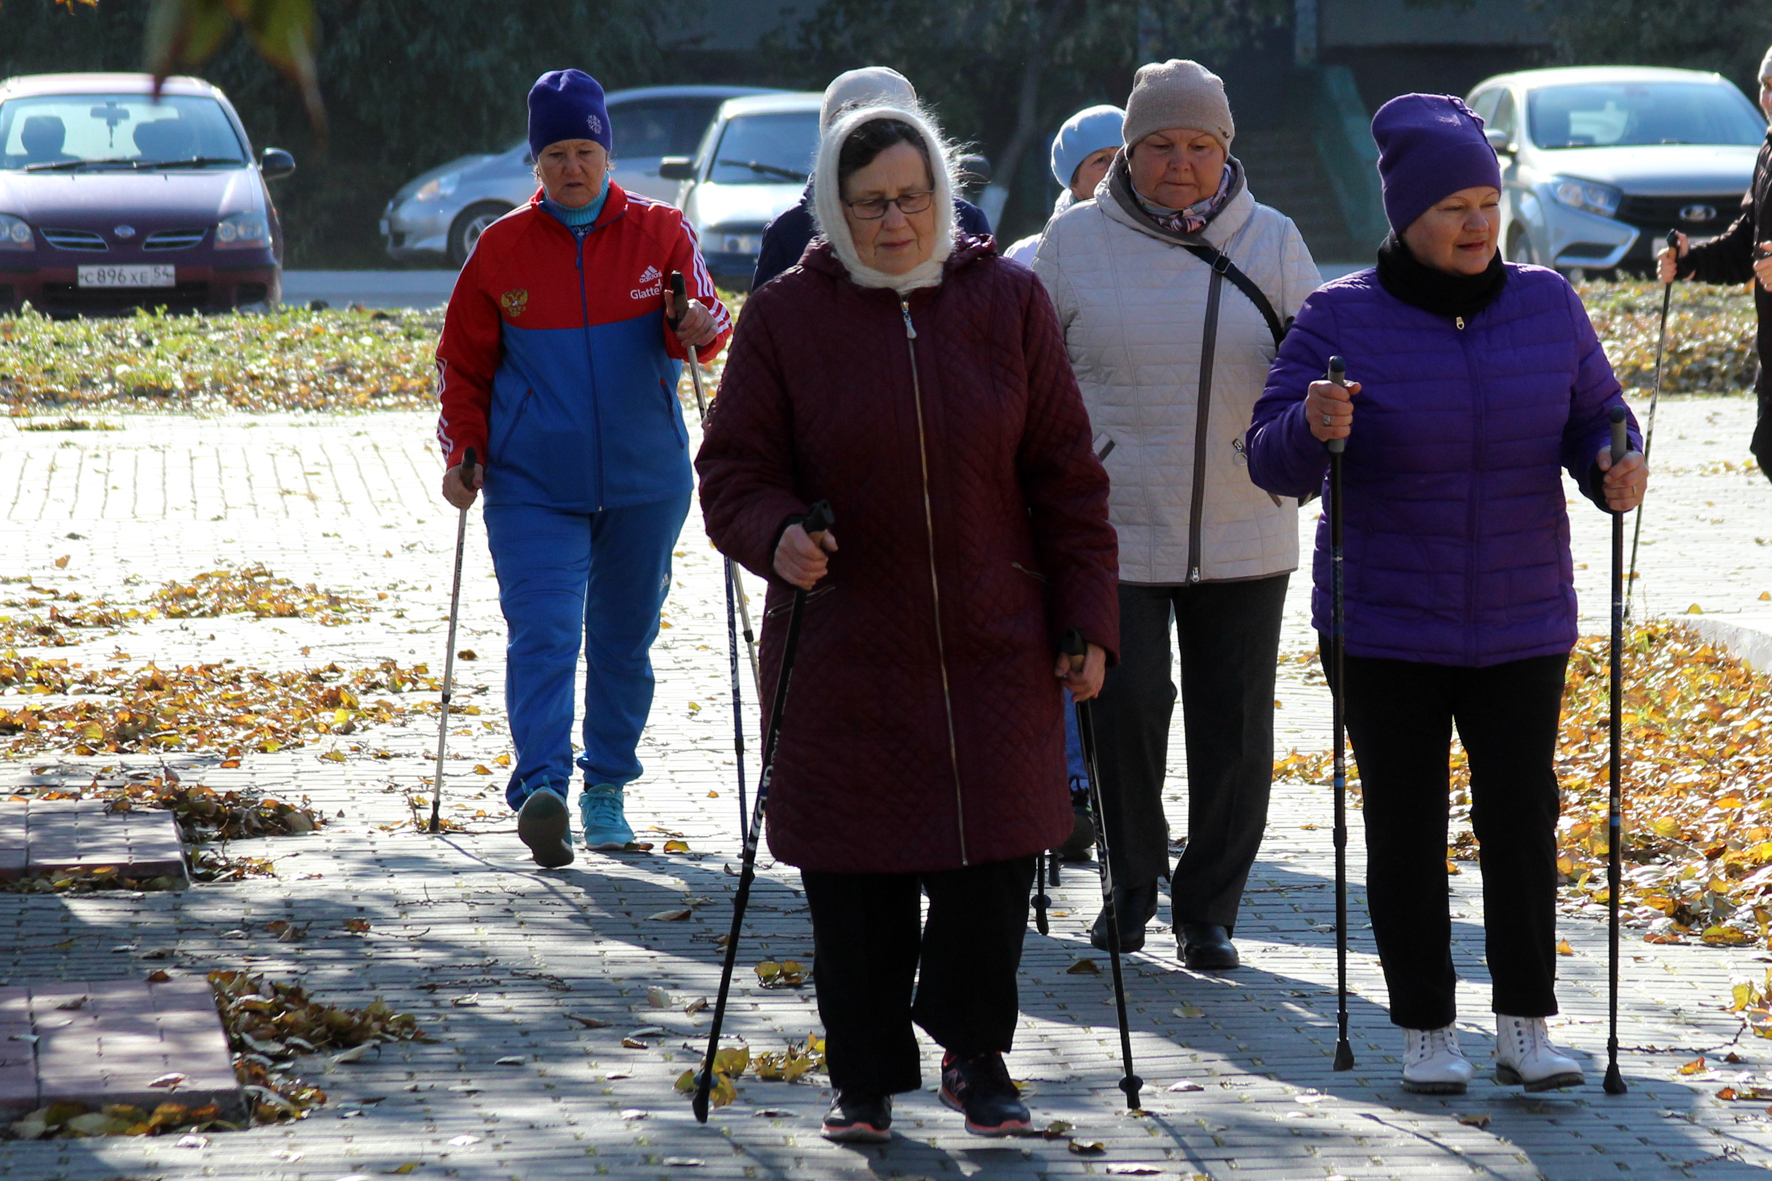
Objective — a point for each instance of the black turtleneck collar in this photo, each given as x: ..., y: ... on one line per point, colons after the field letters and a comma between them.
x: 1432, y: 290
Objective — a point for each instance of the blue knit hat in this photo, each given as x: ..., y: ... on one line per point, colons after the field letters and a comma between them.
x: 566, y: 104
x: 1083, y: 134
x: 1429, y: 146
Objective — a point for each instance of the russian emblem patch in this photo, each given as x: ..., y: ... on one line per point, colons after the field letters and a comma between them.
x: 513, y: 302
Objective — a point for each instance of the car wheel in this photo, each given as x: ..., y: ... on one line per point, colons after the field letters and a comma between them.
x: 1519, y: 248
x: 468, y: 226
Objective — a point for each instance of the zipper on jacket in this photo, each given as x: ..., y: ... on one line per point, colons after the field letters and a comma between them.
x: 584, y: 305
x: 947, y: 696
x: 1203, y: 396
x: 1474, y: 512
x: 1459, y: 320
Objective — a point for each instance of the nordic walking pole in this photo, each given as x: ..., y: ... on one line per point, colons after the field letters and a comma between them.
x: 1077, y: 649
x: 816, y: 522
x: 680, y: 294
x: 1041, y: 899
x: 1667, y: 295
x: 1614, y: 1084
x: 461, y: 537
x: 734, y: 588
x: 1344, y: 1050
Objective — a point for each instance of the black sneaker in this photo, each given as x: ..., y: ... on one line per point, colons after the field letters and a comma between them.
x: 544, y: 824
x: 980, y: 1087
x: 857, y: 1117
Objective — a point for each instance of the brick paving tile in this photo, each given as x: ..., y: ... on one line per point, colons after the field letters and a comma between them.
x: 464, y: 917
x: 40, y: 836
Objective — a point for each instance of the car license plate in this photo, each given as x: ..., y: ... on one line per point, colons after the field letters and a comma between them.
x: 137, y: 276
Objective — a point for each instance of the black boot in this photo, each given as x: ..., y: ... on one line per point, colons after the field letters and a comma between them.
x: 1206, y: 947
x: 1137, y: 905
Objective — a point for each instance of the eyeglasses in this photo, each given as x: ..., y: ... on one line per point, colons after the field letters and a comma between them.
x: 874, y: 208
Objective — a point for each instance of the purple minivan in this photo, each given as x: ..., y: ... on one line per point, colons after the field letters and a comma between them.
x: 111, y: 200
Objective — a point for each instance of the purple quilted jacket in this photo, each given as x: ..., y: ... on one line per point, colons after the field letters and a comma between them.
x: 1456, y: 534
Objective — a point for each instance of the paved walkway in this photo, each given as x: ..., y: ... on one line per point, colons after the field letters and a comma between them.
x: 497, y: 958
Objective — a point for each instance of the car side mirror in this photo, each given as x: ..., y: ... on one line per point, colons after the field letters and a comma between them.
x: 975, y: 170
x: 676, y: 168
x: 1501, y: 141
x: 275, y: 163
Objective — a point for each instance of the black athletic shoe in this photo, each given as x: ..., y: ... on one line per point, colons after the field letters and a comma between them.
x: 857, y: 1117
x: 1206, y: 947
x: 544, y: 824
x: 1137, y: 906
x: 1081, y: 842
x: 980, y: 1087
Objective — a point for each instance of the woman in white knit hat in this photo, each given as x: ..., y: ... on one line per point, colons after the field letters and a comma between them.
x: 1174, y: 287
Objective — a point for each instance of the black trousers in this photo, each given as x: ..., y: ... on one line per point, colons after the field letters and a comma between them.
x: 869, y: 940
x: 1229, y: 637
x: 1399, y: 717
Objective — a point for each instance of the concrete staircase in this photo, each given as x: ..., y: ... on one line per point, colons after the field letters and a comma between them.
x: 1285, y: 173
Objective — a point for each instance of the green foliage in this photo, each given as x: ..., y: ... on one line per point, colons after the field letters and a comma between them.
x: 1004, y: 73
x: 1728, y: 37
x: 407, y: 86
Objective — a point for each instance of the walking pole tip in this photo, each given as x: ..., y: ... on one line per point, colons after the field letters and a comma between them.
x: 1614, y: 1084
x: 1344, y: 1055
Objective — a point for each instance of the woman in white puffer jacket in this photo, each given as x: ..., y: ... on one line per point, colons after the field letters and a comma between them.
x: 1171, y: 347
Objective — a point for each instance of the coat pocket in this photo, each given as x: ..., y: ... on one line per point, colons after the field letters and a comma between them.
x: 673, y: 412
x: 501, y: 434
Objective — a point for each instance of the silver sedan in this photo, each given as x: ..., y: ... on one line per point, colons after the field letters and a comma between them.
x: 439, y: 215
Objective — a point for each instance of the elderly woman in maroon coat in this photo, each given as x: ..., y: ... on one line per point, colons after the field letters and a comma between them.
x: 919, y: 384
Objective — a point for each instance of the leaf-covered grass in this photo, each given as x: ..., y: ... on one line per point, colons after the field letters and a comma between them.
x: 1710, y: 335
x: 288, y: 359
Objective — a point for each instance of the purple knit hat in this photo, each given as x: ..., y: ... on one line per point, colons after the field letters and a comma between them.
x: 1429, y: 146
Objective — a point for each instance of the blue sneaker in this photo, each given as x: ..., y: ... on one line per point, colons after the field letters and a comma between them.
x: 606, y: 827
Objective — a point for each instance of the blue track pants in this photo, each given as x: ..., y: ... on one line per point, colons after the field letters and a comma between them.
x: 566, y: 579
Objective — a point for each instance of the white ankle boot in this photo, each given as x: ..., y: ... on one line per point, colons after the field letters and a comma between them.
x: 1432, y: 1063
x: 1525, y: 1056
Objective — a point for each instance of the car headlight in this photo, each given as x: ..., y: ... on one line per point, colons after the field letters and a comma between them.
x: 242, y: 230
x: 1586, y: 195
x: 437, y: 188
x: 15, y: 234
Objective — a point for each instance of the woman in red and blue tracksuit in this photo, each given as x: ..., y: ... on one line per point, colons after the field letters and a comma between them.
x: 558, y: 366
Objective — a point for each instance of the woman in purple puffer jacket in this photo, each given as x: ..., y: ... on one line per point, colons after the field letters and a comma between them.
x: 1478, y: 383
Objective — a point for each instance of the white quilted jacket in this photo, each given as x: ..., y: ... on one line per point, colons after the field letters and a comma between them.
x: 1133, y: 307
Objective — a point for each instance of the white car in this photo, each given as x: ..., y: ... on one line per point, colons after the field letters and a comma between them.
x: 442, y: 212
x: 1600, y: 162
x: 752, y: 166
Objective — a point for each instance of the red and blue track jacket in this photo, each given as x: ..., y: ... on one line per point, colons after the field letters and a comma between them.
x: 556, y: 364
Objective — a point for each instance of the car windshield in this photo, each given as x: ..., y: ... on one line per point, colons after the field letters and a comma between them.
x: 769, y: 149
x: 1633, y: 114
x: 75, y: 131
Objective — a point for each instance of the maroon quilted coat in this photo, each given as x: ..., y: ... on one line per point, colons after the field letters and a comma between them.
x: 920, y: 733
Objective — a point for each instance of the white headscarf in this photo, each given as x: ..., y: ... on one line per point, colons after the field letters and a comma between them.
x: 869, y: 86
x: 827, y: 206
x: 1766, y: 66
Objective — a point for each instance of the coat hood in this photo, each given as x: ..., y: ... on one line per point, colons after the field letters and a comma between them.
x: 827, y: 206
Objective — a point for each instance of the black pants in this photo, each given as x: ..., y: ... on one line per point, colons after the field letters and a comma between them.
x: 869, y: 941
x: 1229, y: 636
x: 1399, y: 717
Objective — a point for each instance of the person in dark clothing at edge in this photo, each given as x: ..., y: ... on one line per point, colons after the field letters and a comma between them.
x: 1477, y: 383
x: 787, y: 237
x: 1740, y: 254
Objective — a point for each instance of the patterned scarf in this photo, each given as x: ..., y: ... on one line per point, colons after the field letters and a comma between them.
x: 1193, y: 219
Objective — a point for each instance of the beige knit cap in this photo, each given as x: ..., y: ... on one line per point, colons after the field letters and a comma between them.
x: 1178, y: 93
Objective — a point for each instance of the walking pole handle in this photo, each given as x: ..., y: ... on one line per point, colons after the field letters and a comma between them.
x: 1620, y: 441
x: 817, y: 520
x: 679, y: 299
x: 1337, y: 375
x: 468, y: 463
x: 1074, y: 646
